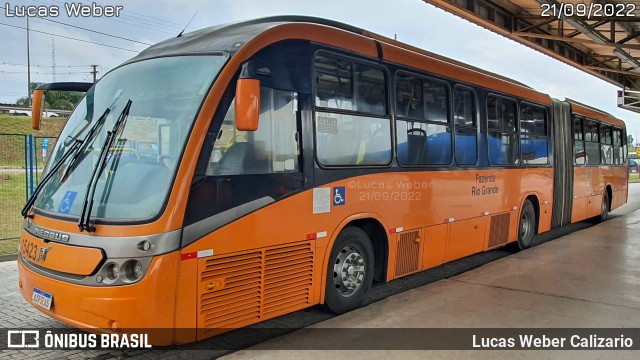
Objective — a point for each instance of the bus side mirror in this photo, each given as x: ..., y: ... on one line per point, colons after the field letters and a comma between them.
x: 36, y: 108
x: 247, y: 104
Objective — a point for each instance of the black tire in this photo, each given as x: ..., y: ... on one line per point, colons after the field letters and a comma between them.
x: 526, y: 226
x: 350, y: 271
x: 605, y: 208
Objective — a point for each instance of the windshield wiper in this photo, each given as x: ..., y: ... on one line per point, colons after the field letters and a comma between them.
x: 78, y: 147
x: 46, y: 178
x: 117, y: 156
x: 84, y: 223
x: 80, y: 154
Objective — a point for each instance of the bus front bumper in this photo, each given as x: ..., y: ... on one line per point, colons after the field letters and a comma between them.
x: 144, y: 307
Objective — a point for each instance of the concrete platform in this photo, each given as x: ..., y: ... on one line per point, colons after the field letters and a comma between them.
x: 587, y: 279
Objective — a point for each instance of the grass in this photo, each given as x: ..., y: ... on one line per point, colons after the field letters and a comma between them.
x: 12, y: 198
x: 12, y: 147
x: 12, y: 178
x: 10, y: 124
x: 634, y: 178
x: 8, y: 247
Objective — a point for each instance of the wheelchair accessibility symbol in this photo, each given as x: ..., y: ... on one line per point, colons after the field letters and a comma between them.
x: 67, y: 202
x: 339, y: 196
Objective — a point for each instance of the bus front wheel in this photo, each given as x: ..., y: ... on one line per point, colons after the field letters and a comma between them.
x: 526, y: 226
x: 350, y: 270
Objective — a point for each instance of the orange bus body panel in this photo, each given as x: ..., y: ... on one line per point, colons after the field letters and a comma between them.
x: 589, y: 185
x: 186, y: 310
x: 60, y: 257
x: 435, y: 245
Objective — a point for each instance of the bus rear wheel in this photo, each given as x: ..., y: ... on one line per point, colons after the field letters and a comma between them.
x: 604, y: 213
x: 350, y: 270
x: 526, y: 226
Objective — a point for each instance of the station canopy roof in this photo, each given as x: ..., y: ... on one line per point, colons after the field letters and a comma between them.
x: 602, y: 37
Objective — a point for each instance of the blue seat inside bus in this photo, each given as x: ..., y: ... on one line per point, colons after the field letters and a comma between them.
x: 420, y: 149
x: 496, y: 151
x: 535, y: 148
x: 466, y: 149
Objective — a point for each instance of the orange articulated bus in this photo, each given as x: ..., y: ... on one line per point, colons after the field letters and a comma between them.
x: 286, y: 162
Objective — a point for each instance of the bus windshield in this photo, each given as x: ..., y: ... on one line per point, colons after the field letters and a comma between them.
x: 165, y: 96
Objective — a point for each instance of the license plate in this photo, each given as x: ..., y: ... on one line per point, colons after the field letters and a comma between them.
x: 42, y: 298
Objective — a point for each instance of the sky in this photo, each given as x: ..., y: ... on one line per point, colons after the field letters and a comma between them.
x: 143, y: 22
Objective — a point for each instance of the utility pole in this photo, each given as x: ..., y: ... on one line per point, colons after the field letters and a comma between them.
x: 53, y: 59
x: 28, y: 68
x: 94, y: 72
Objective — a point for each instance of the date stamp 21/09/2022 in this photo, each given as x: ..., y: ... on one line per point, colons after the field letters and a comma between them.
x: 587, y: 10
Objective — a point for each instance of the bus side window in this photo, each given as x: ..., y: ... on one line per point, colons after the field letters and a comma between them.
x: 334, y: 83
x: 578, y: 141
x: 502, y: 139
x: 618, y: 154
x: 534, y: 141
x: 606, y: 145
x: 273, y: 148
x: 592, y: 145
x: 352, y: 125
x: 464, y: 118
x: 423, y: 127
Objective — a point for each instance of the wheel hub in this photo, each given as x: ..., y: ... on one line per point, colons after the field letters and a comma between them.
x: 525, y: 227
x: 348, y: 271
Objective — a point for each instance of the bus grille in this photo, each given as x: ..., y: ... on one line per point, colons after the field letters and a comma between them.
x: 256, y: 286
x: 499, y: 232
x: 408, y: 253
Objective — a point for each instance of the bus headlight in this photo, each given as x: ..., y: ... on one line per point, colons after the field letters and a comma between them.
x: 133, y: 270
x: 121, y: 271
x: 112, y: 271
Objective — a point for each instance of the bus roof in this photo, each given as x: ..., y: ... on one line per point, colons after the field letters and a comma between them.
x: 591, y: 112
x: 233, y: 37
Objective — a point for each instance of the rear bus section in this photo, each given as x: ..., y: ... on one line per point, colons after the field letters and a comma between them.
x: 600, y: 179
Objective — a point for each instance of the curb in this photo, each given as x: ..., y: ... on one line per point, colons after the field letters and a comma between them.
x: 9, y: 257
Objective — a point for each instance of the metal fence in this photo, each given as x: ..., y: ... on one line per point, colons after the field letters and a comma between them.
x: 22, y: 159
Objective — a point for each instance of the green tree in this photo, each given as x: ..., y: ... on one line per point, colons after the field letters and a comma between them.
x: 630, y: 140
x: 61, y: 100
